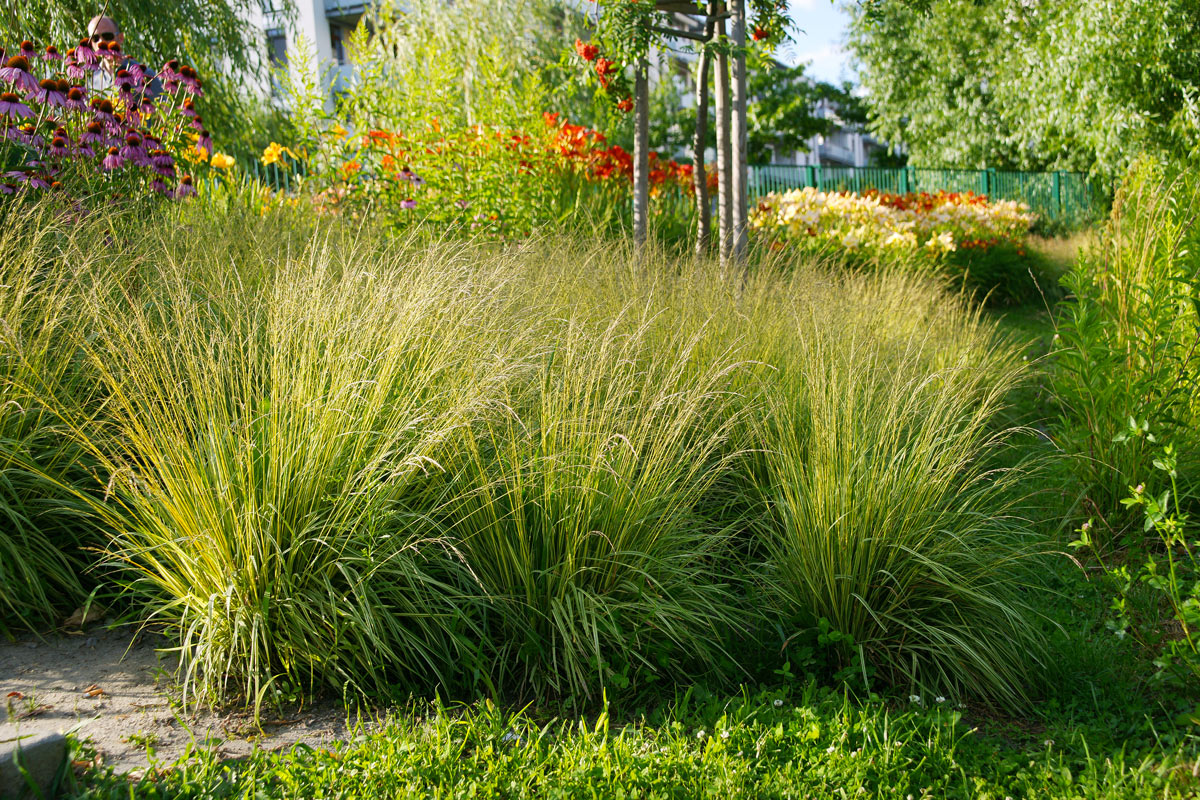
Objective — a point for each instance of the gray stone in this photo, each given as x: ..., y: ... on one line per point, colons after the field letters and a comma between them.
x: 42, y: 757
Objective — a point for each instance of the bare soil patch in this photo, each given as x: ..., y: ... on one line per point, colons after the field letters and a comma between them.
x: 114, y: 687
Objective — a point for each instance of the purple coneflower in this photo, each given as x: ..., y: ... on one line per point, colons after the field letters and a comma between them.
x: 76, y: 72
x: 146, y: 108
x: 29, y: 135
x: 11, y: 106
x: 76, y: 99
x: 160, y: 186
x: 8, y: 188
x: 205, y: 141
x: 190, y: 80
x: 48, y: 94
x: 16, y: 72
x: 186, y: 189
x: 133, y: 150
x: 408, y: 204
x: 58, y: 147
x: 102, y: 109
x: 52, y: 53
x: 170, y: 70
x: 93, y: 134
x: 137, y: 72
x: 39, y: 181
x: 112, y: 160
x: 188, y: 109
x: 196, y: 123
x: 162, y: 160
x: 84, y: 55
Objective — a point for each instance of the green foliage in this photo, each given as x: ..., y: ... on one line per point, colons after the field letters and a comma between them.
x: 891, y: 529
x: 1080, y: 85
x: 1170, y: 569
x: 805, y: 742
x: 1004, y: 273
x: 1127, y: 343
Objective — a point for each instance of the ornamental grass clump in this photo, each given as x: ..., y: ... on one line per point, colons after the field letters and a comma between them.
x: 880, y: 516
x: 578, y: 512
x: 269, y: 421
x: 43, y: 525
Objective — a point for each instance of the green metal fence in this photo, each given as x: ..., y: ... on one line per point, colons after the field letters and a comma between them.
x: 1057, y: 195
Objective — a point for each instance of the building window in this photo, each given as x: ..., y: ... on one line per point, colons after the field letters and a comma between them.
x: 337, y: 41
x: 276, y: 47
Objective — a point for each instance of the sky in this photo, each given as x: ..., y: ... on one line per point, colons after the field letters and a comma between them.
x: 822, y: 29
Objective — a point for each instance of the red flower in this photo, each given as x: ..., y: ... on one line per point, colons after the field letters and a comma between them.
x: 604, y: 68
x: 587, y: 52
x: 760, y: 33
x: 625, y: 105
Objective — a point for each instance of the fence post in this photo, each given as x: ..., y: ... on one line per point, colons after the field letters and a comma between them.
x: 810, y: 176
x: 817, y: 172
x: 1057, y: 184
x: 904, y: 180
x: 983, y: 183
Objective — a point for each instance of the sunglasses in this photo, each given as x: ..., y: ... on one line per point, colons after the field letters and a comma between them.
x: 107, y: 36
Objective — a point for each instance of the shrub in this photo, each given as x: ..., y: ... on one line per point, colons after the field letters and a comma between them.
x: 343, y: 460
x: 267, y: 427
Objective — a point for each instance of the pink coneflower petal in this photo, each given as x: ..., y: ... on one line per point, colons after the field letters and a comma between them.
x: 93, y: 134
x: 48, y: 94
x: 205, y: 141
x: 16, y: 72
x: 8, y: 188
x: 58, y: 147
x: 113, y: 160
x: 76, y: 99
x: 52, y: 53
x: 160, y: 186
x: 84, y: 55
x: 11, y: 106
x: 186, y: 189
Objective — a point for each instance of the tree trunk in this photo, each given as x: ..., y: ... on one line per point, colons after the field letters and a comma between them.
x: 740, y: 166
x: 641, y: 152
x: 724, y: 146
x: 699, y: 145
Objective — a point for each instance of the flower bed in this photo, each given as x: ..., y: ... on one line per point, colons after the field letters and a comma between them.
x: 93, y: 123
x: 939, y: 223
x: 498, y: 181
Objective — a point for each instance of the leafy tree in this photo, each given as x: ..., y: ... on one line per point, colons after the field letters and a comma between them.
x: 779, y: 112
x: 1031, y: 84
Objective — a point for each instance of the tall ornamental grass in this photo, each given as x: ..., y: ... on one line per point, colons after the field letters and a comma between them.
x: 577, y: 512
x: 43, y: 526
x: 881, y: 516
x: 353, y: 463
x: 267, y: 427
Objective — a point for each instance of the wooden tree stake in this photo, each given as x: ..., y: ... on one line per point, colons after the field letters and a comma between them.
x: 724, y: 146
x: 740, y: 166
x: 641, y: 151
x: 699, y: 144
